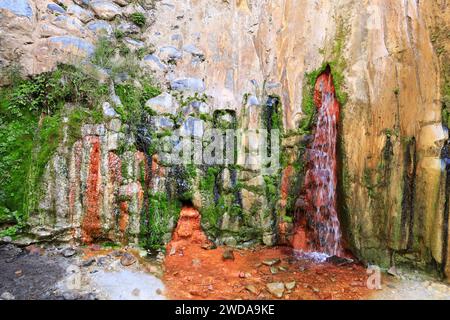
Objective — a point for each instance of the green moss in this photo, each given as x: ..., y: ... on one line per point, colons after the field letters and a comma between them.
x: 157, y: 220
x: 210, y: 214
x: 31, y: 129
x: 133, y: 100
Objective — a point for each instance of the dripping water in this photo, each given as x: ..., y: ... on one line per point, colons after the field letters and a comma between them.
x: 317, y: 227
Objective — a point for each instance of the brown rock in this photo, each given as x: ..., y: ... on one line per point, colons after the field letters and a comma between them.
x: 228, y: 254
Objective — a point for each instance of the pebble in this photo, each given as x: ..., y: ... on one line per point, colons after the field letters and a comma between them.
x: 271, y: 262
x: 136, y: 292
x: 127, y: 259
x: 68, y: 252
x: 7, y: 296
x: 228, y: 254
x: 276, y: 289
x: 251, y: 288
x: 393, y: 272
x: 290, y: 285
x: 88, y: 262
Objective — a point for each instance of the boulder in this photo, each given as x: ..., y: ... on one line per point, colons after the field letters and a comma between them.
x: 105, y: 9
x: 162, y: 123
x: 188, y: 84
x: 169, y: 53
x: 290, y: 285
x: 72, y: 45
x: 154, y: 62
x: 55, y: 8
x: 20, y: 8
x: 82, y: 14
x: 7, y: 296
x: 122, y: 3
x: 99, y: 27
x: 192, y: 127
x: 128, y: 28
x: 109, y: 111
x: 193, y: 50
x: 162, y: 104
x: 228, y: 254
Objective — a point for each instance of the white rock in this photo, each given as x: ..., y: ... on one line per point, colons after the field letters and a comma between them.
x: 7, y: 296
x: 162, y: 104
x: 109, y: 111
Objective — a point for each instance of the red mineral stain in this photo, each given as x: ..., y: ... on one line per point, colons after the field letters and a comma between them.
x: 317, y: 224
x: 124, y: 218
x: 188, y: 231
x: 285, y: 184
x: 91, y: 227
x: 115, y: 168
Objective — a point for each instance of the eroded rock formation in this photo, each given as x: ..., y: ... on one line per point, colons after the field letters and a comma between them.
x: 388, y: 63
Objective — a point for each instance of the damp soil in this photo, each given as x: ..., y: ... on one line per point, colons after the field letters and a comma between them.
x: 197, y: 273
x: 30, y: 274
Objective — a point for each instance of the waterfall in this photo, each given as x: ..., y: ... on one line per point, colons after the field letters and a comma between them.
x: 317, y: 225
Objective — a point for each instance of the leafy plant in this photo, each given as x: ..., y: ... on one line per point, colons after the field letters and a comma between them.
x: 138, y: 19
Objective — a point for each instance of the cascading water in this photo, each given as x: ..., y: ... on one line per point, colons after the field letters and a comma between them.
x: 317, y: 227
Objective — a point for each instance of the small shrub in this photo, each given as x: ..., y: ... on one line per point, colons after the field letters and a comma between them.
x: 138, y: 19
x: 103, y: 54
x: 119, y: 34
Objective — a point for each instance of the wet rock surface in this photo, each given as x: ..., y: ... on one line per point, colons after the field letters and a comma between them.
x: 38, y: 273
x: 30, y: 274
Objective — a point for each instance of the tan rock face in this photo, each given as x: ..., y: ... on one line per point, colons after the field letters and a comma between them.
x: 392, y: 180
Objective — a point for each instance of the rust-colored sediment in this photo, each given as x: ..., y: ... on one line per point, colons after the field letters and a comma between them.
x: 188, y: 232
x: 124, y: 218
x: 196, y: 273
x: 91, y: 227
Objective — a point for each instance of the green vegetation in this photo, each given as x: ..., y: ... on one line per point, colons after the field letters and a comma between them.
x: 31, y: 112
x: 158, y: 220
x: 138, y: 19
x: 34, y: 111
x: 133, y: 100
x: 119, y: 34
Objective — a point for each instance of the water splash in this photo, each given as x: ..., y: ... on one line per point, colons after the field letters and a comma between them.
x: 317, y: 227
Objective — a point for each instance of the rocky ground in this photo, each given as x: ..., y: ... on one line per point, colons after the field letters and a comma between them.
x: 95, y: 272
x: 66, y: 273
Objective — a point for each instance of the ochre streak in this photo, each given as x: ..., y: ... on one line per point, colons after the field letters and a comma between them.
x: 91, y: 227
x: 188, y: 231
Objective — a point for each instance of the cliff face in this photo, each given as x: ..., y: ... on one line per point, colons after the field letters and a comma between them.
x: 388, y: 62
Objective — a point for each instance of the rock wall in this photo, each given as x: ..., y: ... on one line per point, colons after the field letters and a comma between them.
x: 238, y: 53
x: 90, y: 190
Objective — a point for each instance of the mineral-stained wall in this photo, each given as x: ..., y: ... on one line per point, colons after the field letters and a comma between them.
x: 389, y: 70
